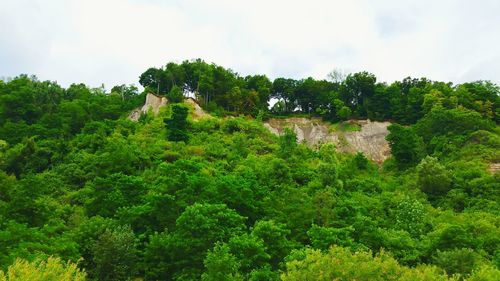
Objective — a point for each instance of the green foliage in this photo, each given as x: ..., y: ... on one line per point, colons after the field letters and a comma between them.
x: 224, y: 199
x: 175, y: 95
x: 158, y: 257
x: 407, y: 147
x: 411, y: 216
x: 324, y: 237
x: 458, y: 261
x: 360, y: 161
x: 288, y: 143
x: 113, y: 192
x: 223, y: 91
x: 197, y: 229
x: 115, y: 255
x: 344, y: 113
x: 485, y: 273
x: 339, y: 263
x: 250, y: 251
x: 358, y: 91
x: 177, y: 124
x: 275, y: 239
x: 460, y: 121
x: 433, y: 178
x: 221, y: 265
x: 52, y: 269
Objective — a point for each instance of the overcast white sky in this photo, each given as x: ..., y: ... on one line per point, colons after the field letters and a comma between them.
x: 114, y: 41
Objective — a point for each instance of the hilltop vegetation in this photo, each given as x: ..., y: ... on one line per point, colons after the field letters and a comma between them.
x: 174, y: 197
x: 356, y: 95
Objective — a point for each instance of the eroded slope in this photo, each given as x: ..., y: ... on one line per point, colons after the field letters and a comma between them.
x: 369, y: 138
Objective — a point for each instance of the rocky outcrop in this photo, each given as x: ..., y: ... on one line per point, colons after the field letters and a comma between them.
x: 197, y: 111
x: 152, y: 102
x: 494, y: 168
x: 369, y: 139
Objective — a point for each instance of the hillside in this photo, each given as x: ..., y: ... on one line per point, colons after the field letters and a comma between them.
x: 350, y: 137
x: 218, y: 189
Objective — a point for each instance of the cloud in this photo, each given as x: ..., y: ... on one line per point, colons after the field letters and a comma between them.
x: 114, y: 41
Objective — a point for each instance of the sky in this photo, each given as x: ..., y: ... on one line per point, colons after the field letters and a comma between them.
x: 112, y: 42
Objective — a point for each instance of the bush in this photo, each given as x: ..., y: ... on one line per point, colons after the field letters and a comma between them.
x: 341, y: 264
x: 457, y: 261
x: 433, y: 178
x: 52, y: 269
x: 175, y: 95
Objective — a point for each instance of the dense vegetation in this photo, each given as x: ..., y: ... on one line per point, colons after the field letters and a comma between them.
x: 357, y: 95
x: 171, y: 197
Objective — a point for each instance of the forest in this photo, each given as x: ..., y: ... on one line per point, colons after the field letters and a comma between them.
x: 88, y: 194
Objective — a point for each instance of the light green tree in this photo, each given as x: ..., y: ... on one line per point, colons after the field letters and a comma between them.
x: 221, y: 265
x: 433, y: 178
x: 52, y: 269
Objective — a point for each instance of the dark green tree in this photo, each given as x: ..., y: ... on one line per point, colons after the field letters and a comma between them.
x: 115, y: 255
x: 407, y: 147
x: 175, y: 95
x: 221, y: 265
x: 287, y: 142
x: 177, y: 125
x: 433, y: 178
x: 357, y: 91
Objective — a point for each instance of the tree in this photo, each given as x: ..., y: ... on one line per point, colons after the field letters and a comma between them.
x: 175, y: 95
x: 177, y: 124
x: 52, y: 269
x: 221, y: 265
x: 250, y: 252
x: 337, y: 76
x: 287, y: 142
x: 324, y: 237
x: 458, y: 261
x: 204, y: 224
x: 379, y: 107
x: 198, y: 228
x: 450, y: 122
x: 328, y: 174
x: 407, y: 147
x: 284, y: 90
x: 125, y: 92
x: 341, y: 264
x: 159, y: 257
x: 485, y: 273
x: 360, y: 161
x: 115, y: 255
x: 275, y: 239
x: 153, y: 80
x: 433, y: 178
x: 481, y: 96
x: 357, y: 91
x: 112, y: 192
x: 18, y: 156
x: 262, y: 86
x: 344, y: 113
x: 411, y: 216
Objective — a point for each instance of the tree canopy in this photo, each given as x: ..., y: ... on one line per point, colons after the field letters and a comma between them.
x: 88, y: 194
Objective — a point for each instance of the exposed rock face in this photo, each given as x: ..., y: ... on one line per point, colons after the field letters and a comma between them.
x: 494, y: 168
x: 197, y: 112
x: 312, y: 131
x: 370, y: 139
x: 152, y: 102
